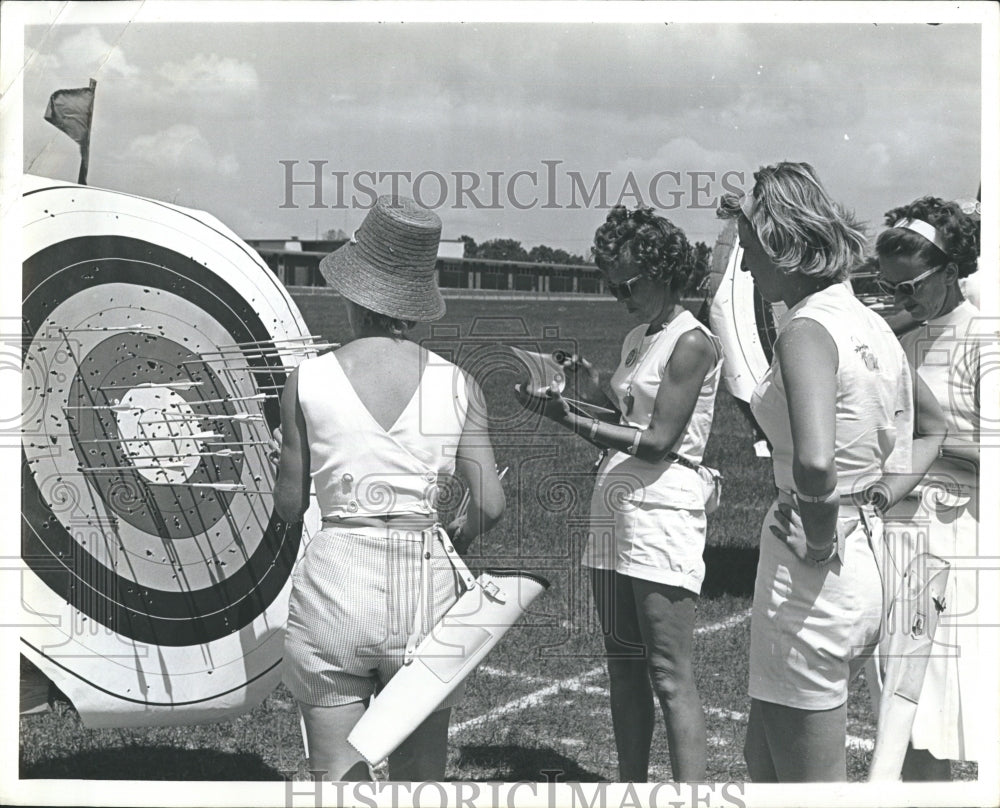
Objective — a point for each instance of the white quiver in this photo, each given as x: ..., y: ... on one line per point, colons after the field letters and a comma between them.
x: 491, y: 604
x: 913, y: 614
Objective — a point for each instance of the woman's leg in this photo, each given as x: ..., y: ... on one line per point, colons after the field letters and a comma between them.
x: 756, y: 752
x: 921, y: 765
x: 327, y: 729
x: 424, y: 754
x: 666, y: 621
x: 807, y: 746
x: 631, y: 695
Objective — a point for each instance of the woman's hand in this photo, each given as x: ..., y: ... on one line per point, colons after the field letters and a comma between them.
x: 274, y: 448
x: 454, y: 530
x: 574, y: 363
x: 586, y: 379
x: 552, y: 405
x: 790, y: 530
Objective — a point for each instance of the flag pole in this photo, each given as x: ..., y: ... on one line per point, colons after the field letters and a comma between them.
x: 85, y: 144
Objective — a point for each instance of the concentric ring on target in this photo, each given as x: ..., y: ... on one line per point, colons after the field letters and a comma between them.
x: 189, y: 548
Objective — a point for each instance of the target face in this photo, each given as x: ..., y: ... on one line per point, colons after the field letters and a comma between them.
x: 156, y: 344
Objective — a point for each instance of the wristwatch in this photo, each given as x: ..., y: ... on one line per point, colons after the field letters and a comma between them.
x: 877, y: 498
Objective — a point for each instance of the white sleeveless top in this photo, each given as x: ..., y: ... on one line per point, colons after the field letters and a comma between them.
x: 360, y: 469
x: 640, y: 372
x: 945, y: 353
x: 874, y: 396
x: 639, y: 375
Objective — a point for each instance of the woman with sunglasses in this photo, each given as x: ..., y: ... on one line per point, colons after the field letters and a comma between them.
x: 831, y: 404
x: 929, y: 247
x: 647, y: 516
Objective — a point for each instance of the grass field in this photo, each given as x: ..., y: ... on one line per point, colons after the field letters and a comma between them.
x: 540, y: 701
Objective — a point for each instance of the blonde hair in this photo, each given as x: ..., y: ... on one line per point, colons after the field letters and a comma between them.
x: 800, y: 228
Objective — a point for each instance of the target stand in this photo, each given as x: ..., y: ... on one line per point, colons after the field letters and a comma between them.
x: 155, y: 347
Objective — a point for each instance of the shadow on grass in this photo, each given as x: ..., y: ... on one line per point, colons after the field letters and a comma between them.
x: 729, y: 570
x: 152, y: 763
x: 511, y: 763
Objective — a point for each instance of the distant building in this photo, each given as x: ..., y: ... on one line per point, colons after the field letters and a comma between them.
x: 451, y: 248
x: 296, y: 263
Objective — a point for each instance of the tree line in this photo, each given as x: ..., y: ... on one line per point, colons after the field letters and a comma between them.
x: 508, y: 249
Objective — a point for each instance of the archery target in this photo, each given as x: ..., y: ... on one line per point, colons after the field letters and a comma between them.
x: 744, y: 322
x: 156, y: 344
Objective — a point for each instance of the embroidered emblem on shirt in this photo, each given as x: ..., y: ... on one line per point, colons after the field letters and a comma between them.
x: 870, y: 360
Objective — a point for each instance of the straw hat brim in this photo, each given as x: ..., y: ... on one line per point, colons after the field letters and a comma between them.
x: 402, y: 294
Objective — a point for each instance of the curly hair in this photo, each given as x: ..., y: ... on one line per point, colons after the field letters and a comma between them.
x: 799, y: 226
x: 658, y: 247
x: 958, y: 230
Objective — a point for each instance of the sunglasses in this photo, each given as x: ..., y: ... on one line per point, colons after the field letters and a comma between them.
x: 623, y: 291
x: 905, y: 288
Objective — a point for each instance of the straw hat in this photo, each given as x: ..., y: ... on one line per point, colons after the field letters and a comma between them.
x: 388, y: 266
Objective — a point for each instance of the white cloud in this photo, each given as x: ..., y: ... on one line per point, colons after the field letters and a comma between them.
x: 88, y: 53
x: 181, y: 147
x: 209, y: 74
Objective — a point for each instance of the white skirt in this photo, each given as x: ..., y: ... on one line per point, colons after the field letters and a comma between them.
x: 946, y: 722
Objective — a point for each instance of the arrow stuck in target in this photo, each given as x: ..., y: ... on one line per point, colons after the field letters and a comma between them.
x: 238, y: 488
x: 264, y: 352
x: 136, y: 327
x: 192, y: 436
x: 116, y: 407
x: 253, y: 343
x: 191, y: 455
x: 181, y: 419
x: 258, y: 397
x: 136, y: 467
x: 180, y: 385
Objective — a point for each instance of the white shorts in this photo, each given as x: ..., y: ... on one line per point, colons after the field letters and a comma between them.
x: 812, y: 627
x: 648, y: 523
x: 353, y: 601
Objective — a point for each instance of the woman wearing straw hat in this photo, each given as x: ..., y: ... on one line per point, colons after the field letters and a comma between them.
x: 374, y: 424
x: 928, y: 248
x: 833, y: 404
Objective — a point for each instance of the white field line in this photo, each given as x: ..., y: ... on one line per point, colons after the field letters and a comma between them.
x: 524, y: 702
x: 573, y: 684
x: 722, y: 625
x: 736, y: 715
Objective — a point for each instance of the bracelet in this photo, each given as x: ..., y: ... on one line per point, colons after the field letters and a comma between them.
x: 819, y: 498
x: 820, y: 562
x: 593, y: 428
x: 635, y: 442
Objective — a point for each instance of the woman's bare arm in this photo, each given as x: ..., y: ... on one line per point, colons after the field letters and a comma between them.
x: 808, y: 358
x: 476, y: 468
x: 691, y: 360
x: 291, y: 489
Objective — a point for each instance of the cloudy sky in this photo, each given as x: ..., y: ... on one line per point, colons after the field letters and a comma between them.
x: 202, y: 114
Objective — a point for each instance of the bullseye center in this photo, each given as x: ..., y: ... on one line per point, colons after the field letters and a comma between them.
x: 158, y: 428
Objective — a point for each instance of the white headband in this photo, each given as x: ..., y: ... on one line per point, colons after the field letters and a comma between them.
x: 925, y: 229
